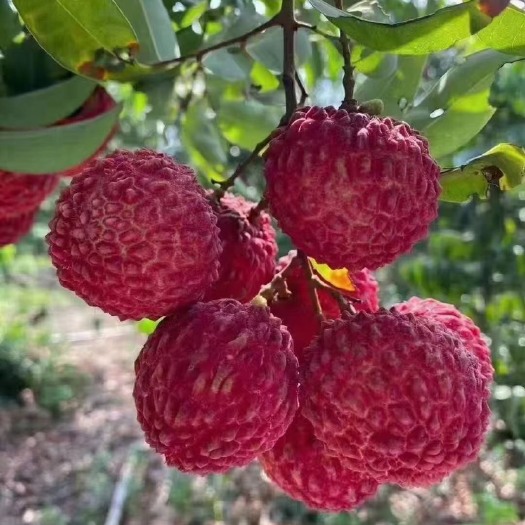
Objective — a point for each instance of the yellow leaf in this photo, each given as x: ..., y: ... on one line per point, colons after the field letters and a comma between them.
x: 339, y: 278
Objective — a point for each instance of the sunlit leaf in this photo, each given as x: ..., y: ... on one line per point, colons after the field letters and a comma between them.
x: 146, y: 326
x: 9, y: 26
x: 428, y: 34
x: 152, y: 25
x: 503, y: 166
x: 339, y: 278
x: 86, y: 37
x: 44, y: 107
x: 55, y: 148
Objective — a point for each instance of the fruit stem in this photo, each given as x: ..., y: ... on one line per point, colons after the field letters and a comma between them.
x: 349, y: 102
x: 241, y: 168
x: 312, y: 285
x: 287, y: 20
x: 261, y: 206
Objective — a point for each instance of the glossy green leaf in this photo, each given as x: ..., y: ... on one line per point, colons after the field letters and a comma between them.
x: 506, y: 33
x: 396, y: 90
x: 267, y: 48
x: 46, y: 106
x: 55, y: 148
x: 230, y: 64
x: 246, y: 123
x: 9, y: 26
x: 420, y: 36
x: 374, y: 63
x: 152, y: 25
x: 79, y: 34
x: 457, y: 106
x: 201, y: 137
x: 503, y: 166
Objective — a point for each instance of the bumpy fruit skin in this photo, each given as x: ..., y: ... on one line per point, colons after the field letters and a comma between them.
x: 398, y: 397
x: 300, y: 466
x: 297, y: 311
x: 134, y: 235
x: 98, y: 103
x: 12, y: 229
x: 461, y: 325
x: 216, y: 386
x: 248, y: 249
x: 20, y: 193
x: 351, y: 190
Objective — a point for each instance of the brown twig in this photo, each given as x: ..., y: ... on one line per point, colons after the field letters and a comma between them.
x: 241, y: 168
x: 302, y: 89
x: 261, y: 206
x: 312, y: 285
x: 348, y: 70
x: 241, y: 39
x: 288, y: 23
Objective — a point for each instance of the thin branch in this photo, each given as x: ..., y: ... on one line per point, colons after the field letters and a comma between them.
x: 287, y: 20
x: 302, y: 89
x: 241, y: 39
x: 241, y: 168
x: 261, y: 206
x: 315, y: 30
x: 348, y: 76
x: 312, y: 286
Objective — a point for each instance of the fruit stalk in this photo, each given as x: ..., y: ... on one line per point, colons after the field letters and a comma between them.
x: 288, y: 23
x: 348, y: 70
x: 312, y: 285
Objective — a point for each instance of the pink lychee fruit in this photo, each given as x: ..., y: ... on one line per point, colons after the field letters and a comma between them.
x: 397, y: 397
x: 461, y: 325
x: 248, y: 249
x: 12, y: 229
x: 351, y: 190
x: 300, y: 466
x: 135, y: 236
x: 216, y: 386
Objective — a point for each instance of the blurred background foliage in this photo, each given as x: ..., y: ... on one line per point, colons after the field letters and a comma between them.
x: 210, y: 114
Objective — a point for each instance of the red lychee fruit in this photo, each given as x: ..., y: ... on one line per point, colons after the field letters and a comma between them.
x: 300, y: 466
x: 216, y: 386
x: 297, y: 310
x: 351, y: 190
x: 21, y: 194
x: 135, y: 236
x: 461, y: 325
x: 12, y: 229
x: 397, y: 397
x: 98, y: 103
x: 248, y: 249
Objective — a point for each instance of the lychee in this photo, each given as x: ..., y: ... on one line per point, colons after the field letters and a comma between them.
x: 300, y: 466
x: 461, y: 325
x: 98, y: 103
x: 248, y: 249
x: 216, y: 386
x: 397, y: 397
x: 297, y: 310
x: 12, y: 229
x: 135, y: 236
x: 21, y: 194
x: 351, y: 190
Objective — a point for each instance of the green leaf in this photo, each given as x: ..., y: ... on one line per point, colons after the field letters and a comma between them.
x: 396, y: 90
x: 246, y: 123
x: 374, y: 63
x: 9, y: 26
x: 230, y: 64
x: 46, y: 106
x: 503, y: 165
x: 506, y: 33
x: 420, y: 36
x: 48, y: 150
x: 457, y: 106
x: 80, y: 34
x: 267, y: 48
x: 147, y: 326
x: 263, y: 78
x: 152, y: 25
x: 202, y: 139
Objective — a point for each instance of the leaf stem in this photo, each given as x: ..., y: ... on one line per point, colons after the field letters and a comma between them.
x: 348, y: 70
x: 312, y: 285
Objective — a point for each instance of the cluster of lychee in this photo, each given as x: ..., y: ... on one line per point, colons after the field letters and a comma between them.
x: 21, y: 195
x: 257, y: 361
